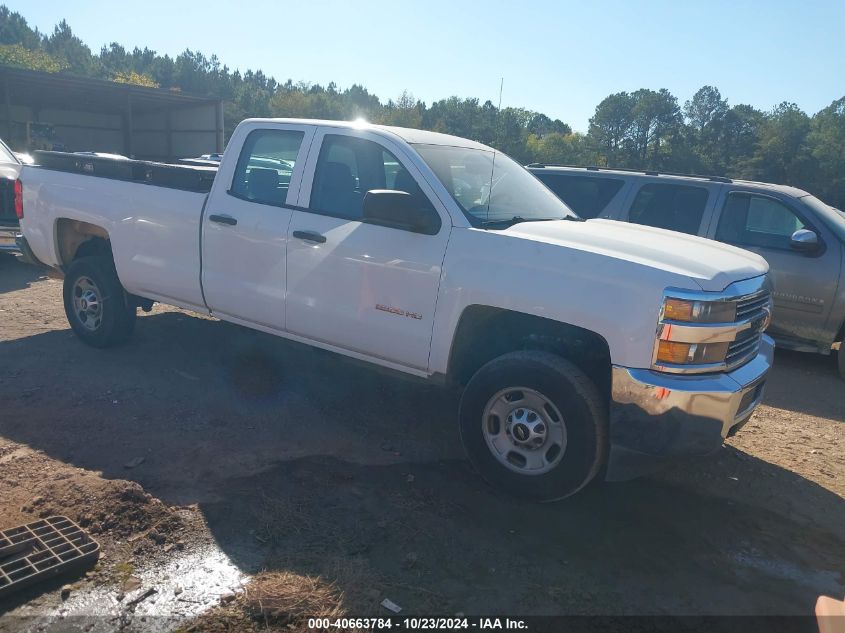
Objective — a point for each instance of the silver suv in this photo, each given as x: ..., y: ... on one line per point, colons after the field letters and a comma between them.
x: 802, y: 238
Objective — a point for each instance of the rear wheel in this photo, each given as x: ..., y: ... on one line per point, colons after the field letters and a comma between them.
x: 97, y: 307
x: 535, y: 425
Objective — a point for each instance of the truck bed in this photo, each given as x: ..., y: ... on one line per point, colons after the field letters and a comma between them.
x: 184, y: 177
x: 151, y: 212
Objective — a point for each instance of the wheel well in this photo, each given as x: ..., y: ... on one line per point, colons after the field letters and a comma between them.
x: 485, y: 333
x: 77, y: 239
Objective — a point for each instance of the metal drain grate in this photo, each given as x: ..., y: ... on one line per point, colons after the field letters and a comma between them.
x: 43, y: 549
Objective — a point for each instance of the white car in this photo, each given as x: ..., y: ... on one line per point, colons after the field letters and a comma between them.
x: 579, y: 344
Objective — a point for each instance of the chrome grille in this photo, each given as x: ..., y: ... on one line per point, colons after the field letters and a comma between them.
x: 755, y: 310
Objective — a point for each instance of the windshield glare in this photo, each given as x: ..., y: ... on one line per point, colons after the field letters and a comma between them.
x: 489, y: 187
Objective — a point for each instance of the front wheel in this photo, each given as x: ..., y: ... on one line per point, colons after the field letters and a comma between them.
x: 535, y: 425
x: 96, y: 305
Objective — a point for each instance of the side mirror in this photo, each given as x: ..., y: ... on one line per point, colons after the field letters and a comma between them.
x: 400, y: 210
x: 804, y: 240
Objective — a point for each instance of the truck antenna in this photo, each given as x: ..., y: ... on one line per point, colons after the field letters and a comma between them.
x: 499, y: 112
x: 498, y: 142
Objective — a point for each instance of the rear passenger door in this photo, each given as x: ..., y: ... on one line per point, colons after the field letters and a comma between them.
x: 245, y: 224
x: 676, y: 206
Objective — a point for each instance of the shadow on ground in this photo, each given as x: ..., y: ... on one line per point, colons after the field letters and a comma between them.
x: 302, y: 462
x: 799, y: 378
x: 16, y: 276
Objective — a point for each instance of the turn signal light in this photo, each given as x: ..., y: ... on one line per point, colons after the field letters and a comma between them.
x: 678, y: 309
x: 677, y: 353
x: 673, y: 352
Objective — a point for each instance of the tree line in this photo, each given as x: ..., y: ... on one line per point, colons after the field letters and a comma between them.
x: 644, y: 129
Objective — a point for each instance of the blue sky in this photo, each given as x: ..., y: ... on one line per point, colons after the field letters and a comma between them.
x: 560, y: 58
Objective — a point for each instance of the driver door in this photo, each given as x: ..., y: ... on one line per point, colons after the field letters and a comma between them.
x: 357, y: 286
x: 804, y: 283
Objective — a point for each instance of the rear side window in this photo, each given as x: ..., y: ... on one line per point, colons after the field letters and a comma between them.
x: 265, y: 166
x: 674, y: 207
x: 749, y: 220
x: 585, y: 195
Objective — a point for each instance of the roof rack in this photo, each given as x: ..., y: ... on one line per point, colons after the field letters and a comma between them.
x: 647, y: 172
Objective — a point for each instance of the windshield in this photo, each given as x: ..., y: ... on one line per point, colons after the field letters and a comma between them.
x: 491, y: 188
x: 832, y: 217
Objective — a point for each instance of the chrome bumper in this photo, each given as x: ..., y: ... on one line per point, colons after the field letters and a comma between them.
x: 654, y: 416
x: 8, y: 239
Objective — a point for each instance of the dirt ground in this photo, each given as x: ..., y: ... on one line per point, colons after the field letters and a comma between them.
x: 198, y: 434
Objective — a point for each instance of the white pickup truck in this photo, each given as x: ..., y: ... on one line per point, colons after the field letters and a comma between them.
x: 582, y: 347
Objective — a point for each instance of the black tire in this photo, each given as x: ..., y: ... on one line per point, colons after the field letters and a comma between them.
x: 576, y: 397
x: 840, y: 360
x: 117, y: 314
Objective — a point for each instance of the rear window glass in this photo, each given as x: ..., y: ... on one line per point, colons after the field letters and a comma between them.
x: 674, y: 207
x: 585, y: 195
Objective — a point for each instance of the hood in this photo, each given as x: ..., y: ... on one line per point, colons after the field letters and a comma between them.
x: 711, y: 265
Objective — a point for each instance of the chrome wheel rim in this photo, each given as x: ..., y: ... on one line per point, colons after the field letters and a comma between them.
x: 524, y: 431
x: 87, y: 303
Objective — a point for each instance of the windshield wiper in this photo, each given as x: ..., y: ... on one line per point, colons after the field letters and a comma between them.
x: 517, y: 219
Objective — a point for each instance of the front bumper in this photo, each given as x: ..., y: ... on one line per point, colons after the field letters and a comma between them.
x: 656, y: 416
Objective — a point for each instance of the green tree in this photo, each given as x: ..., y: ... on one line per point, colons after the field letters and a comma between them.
x: 656, y: 119
x: 66, y: 47
x: 783, y: 152
x: 705, y: 115
x: 827, y: 140
x: 21, y: 57
x: 15, y: 30
x: 610, y: 128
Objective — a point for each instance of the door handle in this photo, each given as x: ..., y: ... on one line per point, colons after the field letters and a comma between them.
x: 223, y: 219
x: 310, y: 236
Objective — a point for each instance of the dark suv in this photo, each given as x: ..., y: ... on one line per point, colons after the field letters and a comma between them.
x: 802, y: 238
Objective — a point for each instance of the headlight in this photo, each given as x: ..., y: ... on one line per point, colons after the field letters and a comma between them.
x: 699, y: 311
x: 694, y: 335
x: 700, y: 332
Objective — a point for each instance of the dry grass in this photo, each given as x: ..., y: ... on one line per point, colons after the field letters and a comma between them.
x: 284, y: 597
x: 285, y: 600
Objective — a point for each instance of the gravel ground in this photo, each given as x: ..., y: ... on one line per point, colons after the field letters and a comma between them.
x: 297, y: 462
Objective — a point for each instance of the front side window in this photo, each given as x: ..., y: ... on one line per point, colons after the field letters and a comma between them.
x: 585, y: 195
x: 265, y: 166
x: 749, y: 220
x: 674, y: 207
x: 490, y: 188
x: 349, y: 167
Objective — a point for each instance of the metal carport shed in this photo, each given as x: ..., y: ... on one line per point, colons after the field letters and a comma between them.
x: 68, y: 113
